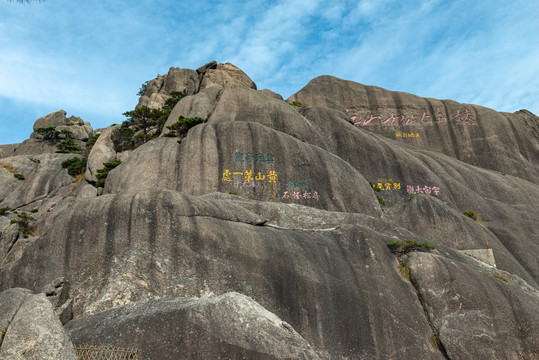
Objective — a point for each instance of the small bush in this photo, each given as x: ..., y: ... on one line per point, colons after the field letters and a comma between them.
x: 104, y: 172
x: 75, y: 165
x: 176, y: 96
x: 67, y: 133
x: 380, y: 200
x: 297, y: 137
x: 179, y: 141
x: 233, y: 193
x: 24, y: 226
x: 405, y: 270
x: 143, y: 88
x: 170, y: 134
x: 34, y: 210
x: 374, y: 187
x: 501, y: 277
x: 48, y: 132
x: 67, y: 146
x: 298, y: 104
x: 409, y: 245
x: 182, y: 126
x: 4, y: 210
x: 434, y: 340
x: 91, y: 141
x: 19, y: 176
x: 470, y: 214
x: 35, y: 161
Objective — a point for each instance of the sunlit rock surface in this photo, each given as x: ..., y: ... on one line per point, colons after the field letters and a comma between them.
x: 258, y: 234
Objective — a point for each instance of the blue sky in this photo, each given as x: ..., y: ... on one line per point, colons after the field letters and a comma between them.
x: 90, y: 57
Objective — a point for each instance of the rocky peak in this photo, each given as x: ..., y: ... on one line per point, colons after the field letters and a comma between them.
x: 349, y: 221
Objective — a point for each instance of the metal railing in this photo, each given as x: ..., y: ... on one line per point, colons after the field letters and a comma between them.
x: 93, y: 352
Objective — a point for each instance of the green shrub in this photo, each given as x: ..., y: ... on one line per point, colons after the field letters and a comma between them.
x: 380, y: 200
x: 179, y: 141
x: 67, y: 133
x: 4, y: 210
x: 34, y: 210
x: 434, y: 340
x: 19, y: 176
x: 170, y: 134
x: 143, y: 88
x: 91, y: 141
x: 501, y: 277
x: 75, y: 165
x: 182, y: 126
x: 408, y: 245
x: 103, y: 173
x: 34, y: 160
x: 176, y: 96
x: 298, y: 104
x: 470, y: 214
x: 48, y: 132
x: 297, y: 137
x: 67, y: 146
x: 374, y: 187
x: 233, y: 193
x: 24, y: 225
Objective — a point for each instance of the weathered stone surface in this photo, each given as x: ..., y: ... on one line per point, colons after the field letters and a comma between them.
x: 33, y: 330
x: 233, y: 209
x: 9, y: 233
x: 202, y: 105
x: 78, y: 132
x: 211, y: 65
x: 157, y: 91
x: 65, y: 312
x: 87, y: 191
x: 57, y: 292
x: 433, y: 219
x: 183, y: 80
x: 227, y: 326
x: 7, y: 150
x: 197, y: 251
x: 102, y: 151
x: 271, y: 94
x: 502, y: 142
x: 216, y: 158
x: 226, y: 75
x: 54, y: 119
x: 35, y: 147
x: 43, y: 174
x: 498, y: 322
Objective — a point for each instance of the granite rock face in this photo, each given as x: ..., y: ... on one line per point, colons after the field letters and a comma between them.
x: 31, y: 329
x: 264, y: 231
x: 227, y: 326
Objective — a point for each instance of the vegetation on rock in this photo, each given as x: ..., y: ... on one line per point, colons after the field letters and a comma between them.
x: 48, y: 132
x: 399, y: 247
x: 75, y: 165
x: 102, y: 173
x: 67, y: 146
x: 182, y: 126
x: 470, y: 214
x: 91, y: 141
x: 24, y: 225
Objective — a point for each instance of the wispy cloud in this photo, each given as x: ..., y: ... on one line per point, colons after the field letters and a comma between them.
x: 89, y: 58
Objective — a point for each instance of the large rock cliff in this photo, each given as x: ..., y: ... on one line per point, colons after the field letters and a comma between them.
x: 347, y: 222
